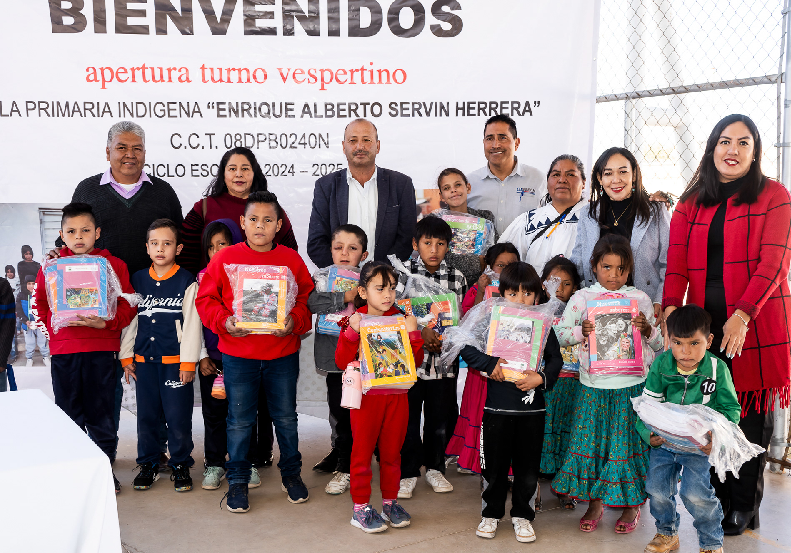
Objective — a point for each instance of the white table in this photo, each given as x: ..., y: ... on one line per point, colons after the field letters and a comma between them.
x: 56, y: 485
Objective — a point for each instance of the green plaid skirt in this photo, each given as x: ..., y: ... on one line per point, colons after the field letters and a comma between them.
x: 606, y: 459
x: 561, y: 402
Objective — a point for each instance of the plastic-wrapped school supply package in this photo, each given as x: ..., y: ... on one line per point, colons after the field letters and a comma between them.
x: 263, y: 296
x: 386, y: 360
x: 685, y: 428
x: 335, y: 278
x: 471, y: 234
x: 512, y: 331
x: 82, y: 285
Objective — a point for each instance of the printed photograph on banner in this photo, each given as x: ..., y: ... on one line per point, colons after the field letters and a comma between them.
x: 29, y: 231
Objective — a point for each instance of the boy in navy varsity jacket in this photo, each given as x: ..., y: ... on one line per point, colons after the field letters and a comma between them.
x: 159, y: 350
x: 84, y: 352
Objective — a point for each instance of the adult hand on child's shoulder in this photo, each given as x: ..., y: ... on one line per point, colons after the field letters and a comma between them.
x: 186, y: 376
x: 587, y: 328
x: 289, y: 322
x: 411, y: 323
x: 656, y: 441
x: 230, y: 326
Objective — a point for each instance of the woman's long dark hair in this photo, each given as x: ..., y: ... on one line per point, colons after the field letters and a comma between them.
x: 218, y: 187
x: 641, y: 208
x: 705, y: 184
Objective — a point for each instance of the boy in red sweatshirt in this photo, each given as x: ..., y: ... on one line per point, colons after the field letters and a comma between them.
x: 84, y: 352
x: 251, y: 361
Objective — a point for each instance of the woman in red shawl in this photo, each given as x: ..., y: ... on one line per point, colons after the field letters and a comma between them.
x: 238, y: 176
x: 730, y: 248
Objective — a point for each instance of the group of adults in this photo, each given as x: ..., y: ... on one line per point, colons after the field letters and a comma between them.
x: 741, y: 282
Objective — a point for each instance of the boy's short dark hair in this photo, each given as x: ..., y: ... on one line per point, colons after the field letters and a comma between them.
x: 164, y: 223
x: 355, y: 230
x: 498, y: 249
x: 500, y: 118
x: 75, y: 209
x: 264, y: 197
x: 433, y: 227
x: 520, y: 276
x: 686, y: 321
x: 30, y: 278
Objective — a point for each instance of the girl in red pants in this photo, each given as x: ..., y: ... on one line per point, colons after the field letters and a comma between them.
x: 383, y: 415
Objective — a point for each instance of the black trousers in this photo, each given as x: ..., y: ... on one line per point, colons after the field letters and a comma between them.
x: 746, y: 492
x: 431, y: 399
x: 343, y: 424
x: 84, y: 387
x: 510, y: 441
x: 215, y: 413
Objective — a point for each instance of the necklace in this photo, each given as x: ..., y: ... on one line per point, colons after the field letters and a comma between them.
x: 619, y: 216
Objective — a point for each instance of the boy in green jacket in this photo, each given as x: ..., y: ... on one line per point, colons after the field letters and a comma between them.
x: 687, y: 374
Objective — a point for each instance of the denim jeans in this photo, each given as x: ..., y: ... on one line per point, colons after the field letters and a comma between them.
x: 696, y: 493
x: 243, y: 379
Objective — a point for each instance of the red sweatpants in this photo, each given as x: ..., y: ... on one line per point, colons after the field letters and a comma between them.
x: 380, y: 419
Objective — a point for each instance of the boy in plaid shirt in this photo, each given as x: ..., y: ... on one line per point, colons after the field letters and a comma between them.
x: 434, y: 393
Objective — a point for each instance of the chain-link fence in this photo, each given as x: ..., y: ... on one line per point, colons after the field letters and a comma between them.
x: 668, y: 70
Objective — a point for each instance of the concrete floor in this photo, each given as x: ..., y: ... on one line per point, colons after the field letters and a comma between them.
x: 161, y: 520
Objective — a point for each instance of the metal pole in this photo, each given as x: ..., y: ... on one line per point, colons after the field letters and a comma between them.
x: 778, y: 444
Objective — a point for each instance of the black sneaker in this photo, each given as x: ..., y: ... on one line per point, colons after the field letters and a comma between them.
x: 295, y: 488
x: 149, y: 473
x: 270, y: 459
x: 117, y: 484
x: 236, y: 498
x: 181, y: 477
x: 329, y: 462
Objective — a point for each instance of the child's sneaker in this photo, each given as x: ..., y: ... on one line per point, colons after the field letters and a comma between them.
x: 149, y: 473
x: 368, y: 520
x: 462, y: 470
x: 487, y: 528
x: 29, y: 363
x: 523, y: 530
x: 407, y: 487
x: 255, y: 478
x: 181, y: 478
x: 662, y: 544
x: 295, y: 488
x: 236, y: 498
x: 395, y: 515
x: 212, y: 476
x: 438, y: 481
x: 338, y: 484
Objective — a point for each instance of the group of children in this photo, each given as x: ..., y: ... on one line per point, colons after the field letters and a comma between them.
x: 577, y: 430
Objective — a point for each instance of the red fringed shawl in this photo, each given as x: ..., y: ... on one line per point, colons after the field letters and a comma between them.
x: 757, y: 257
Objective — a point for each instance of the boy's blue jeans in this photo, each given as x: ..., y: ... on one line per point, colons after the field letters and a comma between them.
x: 696, y: 493
x: 243, y: 378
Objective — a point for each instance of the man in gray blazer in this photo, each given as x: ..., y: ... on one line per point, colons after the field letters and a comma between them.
x: 380, y: 201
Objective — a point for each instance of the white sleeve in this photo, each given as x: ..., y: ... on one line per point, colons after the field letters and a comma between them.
x: 192, y: 330
x: 128, y: 336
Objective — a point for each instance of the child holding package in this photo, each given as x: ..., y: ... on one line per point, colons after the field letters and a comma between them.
x: 433, y: 397
x: 349, y: 248
x: 252, y: 361
x: 84, y: 352
x: 160, y: 350
x: 465, y: 442
x: 33, y: 335
x: 562, y: 399
x: 512, y: 431
x: 606, y: 461
x: 682, y: 376
x: 383, y: 415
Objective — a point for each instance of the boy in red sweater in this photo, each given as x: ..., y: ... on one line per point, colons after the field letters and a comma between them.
x: 384, y: 414
x: 85, y: 351
x: 254, y: 360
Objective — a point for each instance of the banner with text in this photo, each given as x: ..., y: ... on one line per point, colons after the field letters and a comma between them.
x: 284, y: 77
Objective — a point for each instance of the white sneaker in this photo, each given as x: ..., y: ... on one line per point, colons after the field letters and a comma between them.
x: 461, y: 470
x: 437, y: 481
x: 47, y: 362
x: 449, y: 460
x: 487, y: 528
x: 29, y: 363
x: 407, y: 487
x: 523, y: 529
x: 338, y: 484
